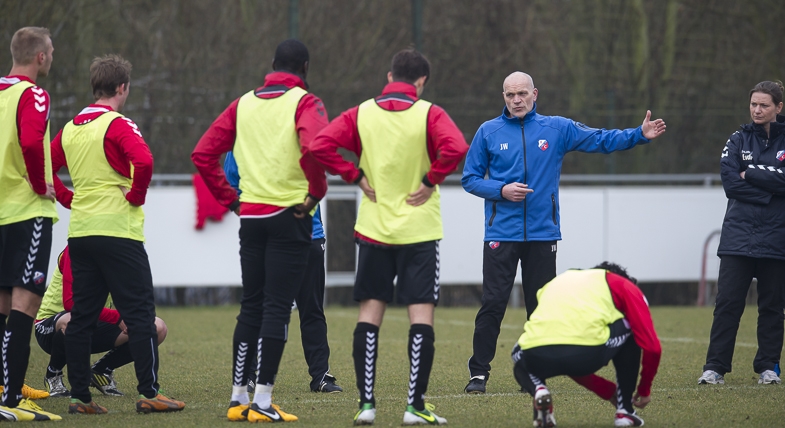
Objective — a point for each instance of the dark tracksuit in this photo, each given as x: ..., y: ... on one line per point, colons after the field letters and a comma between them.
x: 528, y: 151
x: 752, y: 245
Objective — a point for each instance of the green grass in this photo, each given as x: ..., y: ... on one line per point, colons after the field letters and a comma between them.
x: 196, y: 367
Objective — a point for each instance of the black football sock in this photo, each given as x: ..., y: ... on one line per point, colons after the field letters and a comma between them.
x: 243, y: 347
x: 421, y: 351
x: 365, y: 350
x: 113, y: 359
x: 16, y: 354
x: 269, y: 352
x: 57, y: 357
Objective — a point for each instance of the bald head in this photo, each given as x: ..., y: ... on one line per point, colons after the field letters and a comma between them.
x: 519, y: 94
x: 518, y: 78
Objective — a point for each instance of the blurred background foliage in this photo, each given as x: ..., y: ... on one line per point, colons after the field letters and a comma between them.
x: 601, y: 62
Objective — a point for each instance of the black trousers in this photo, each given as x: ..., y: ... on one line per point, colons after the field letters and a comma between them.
x: 103, y: 265
x: 499, y: 265
x: 310, y: 307
x: 274, y: 258
x: 534, y: 366
x: 736, y: 273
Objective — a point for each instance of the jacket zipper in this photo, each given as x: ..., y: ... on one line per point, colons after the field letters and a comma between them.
x: 523, y: 139
x: 493, y: 215
x: 553, y: 205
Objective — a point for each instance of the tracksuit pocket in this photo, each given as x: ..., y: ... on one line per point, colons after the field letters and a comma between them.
x: 553, y: 211
x: 493, y: 214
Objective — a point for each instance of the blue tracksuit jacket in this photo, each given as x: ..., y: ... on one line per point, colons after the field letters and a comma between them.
x: 233, y: 176
x: 530, y: 151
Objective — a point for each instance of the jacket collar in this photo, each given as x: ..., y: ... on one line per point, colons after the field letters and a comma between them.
x: 776, y: 128
x: 401, y: 88
x: 529, y: 116
x: 290, y: 80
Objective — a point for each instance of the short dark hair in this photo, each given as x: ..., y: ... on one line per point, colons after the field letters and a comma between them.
x: 28, y: 42
x: 774, y: 89
x: 409, y: 65
x: 618, y: 270
x: 107, y: 73
x: 291, y: 55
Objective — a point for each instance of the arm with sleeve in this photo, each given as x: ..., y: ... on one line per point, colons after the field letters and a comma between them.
x: 217, y: 140
x: 579, y: 137
x: 730, y: 167
x: 124, y: 145
x: 630, y: 301
x: 63, y: 194
x: 475, y: 168
x: 340, y: 133
x: 446, y: 146
x: 33, y: 118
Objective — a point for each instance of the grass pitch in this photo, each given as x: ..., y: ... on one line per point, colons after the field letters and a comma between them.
x: 196, y: 367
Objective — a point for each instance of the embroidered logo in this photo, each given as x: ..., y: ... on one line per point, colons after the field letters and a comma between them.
x: 38, y: 277
x: 543, y: 145
x: 781, y: 155
x: 493, y: 244
x: 504, y: 146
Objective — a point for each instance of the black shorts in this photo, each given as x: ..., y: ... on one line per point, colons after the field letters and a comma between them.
x: 24, y: 254
x: 415, y: 265
x: 103, y: 338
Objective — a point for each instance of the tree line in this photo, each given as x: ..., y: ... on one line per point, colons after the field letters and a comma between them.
x: 601, y: 62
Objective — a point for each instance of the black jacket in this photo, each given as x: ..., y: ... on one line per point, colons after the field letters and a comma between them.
x: 754, y: 224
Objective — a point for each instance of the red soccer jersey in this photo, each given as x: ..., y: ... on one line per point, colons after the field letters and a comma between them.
x: 445, y: 142
x: 631, y: 302
x: 32, y: 118
x: 309, y: 119
x: 123, y: 146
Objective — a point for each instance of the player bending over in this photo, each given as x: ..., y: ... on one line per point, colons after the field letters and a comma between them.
x: 584, y: 320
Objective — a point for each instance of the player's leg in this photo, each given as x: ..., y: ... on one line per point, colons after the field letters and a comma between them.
x: 89, y: 295
x: 538, y: 267
x: 373, y: 288
x: 106, y: 338
x: 126, y: 266
x: 253, y: 241
x: 770, y: 319
x: 627, y: 362
x: 50, y: 337
x: 419, y: 287
x: 734, y: 280
x: 286, y: 259
x: 313, y: 324
x: 533, y: 382
x: 24, y: 263
x: 499, y: 264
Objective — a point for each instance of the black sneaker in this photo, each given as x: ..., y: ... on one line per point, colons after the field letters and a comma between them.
x: 476, y: 385
x: 327, y: 385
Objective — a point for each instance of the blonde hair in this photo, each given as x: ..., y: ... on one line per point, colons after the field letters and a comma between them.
x: 27, y: 43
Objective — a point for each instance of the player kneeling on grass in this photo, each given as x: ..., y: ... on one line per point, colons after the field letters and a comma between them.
x: 110, y: 335
x: 584, y: 320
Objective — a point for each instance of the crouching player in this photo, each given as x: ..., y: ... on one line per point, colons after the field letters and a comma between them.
x: 110, y: 335
x: 584, y: 320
